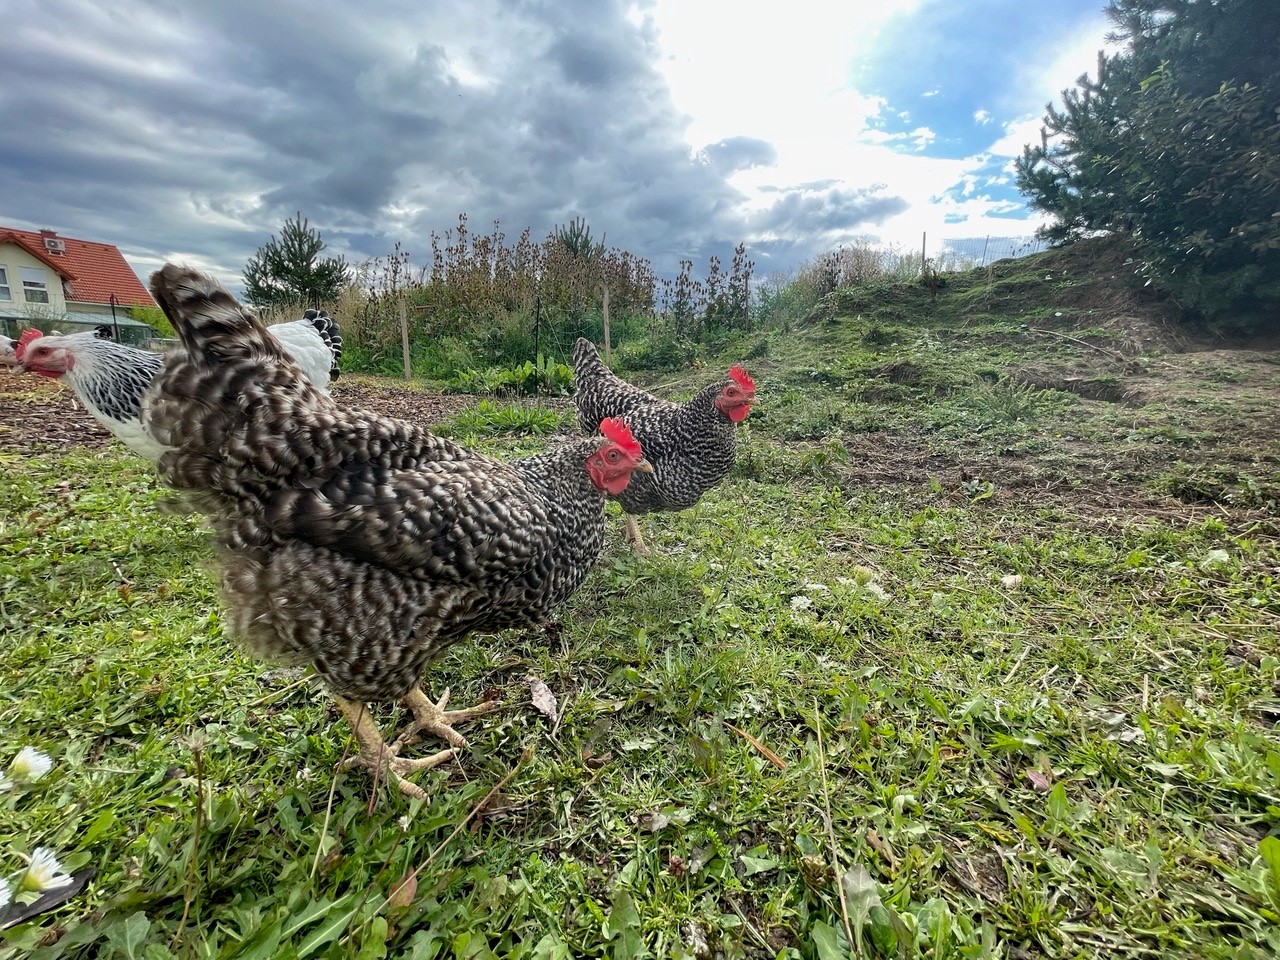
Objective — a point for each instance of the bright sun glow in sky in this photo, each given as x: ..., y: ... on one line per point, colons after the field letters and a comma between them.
x: 801, y: 76
x: 677, y: 128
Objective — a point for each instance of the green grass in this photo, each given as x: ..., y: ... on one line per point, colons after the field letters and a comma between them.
x: 1075, y: 767
x: 998, y: 663
x: 488, y: 418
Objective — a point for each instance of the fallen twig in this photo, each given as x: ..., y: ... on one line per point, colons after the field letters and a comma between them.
x: 831, y: 832
x: 769, y: 755
x: 188, y: 894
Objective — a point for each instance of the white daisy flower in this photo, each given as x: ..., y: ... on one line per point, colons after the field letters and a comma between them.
x: 44, y: 872
x: 877, y: 591
x: 5, y: 783
x: 6, y: 895
x: 801, y: 602
x: 30, y: 764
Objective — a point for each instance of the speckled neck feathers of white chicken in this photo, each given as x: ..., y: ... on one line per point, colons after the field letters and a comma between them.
x: 109, y: 378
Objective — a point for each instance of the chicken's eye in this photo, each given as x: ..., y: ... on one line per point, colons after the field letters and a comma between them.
x: 613, y: 456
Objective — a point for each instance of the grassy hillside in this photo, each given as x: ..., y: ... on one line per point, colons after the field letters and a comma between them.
x: 973, y: 656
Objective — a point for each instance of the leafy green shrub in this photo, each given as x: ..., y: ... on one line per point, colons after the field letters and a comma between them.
x: 544, y: 377
x: 657, y: 351
x: 371, y: 359
x: 154, y: 318
x: 487, y: 418
x: 1006, y: 401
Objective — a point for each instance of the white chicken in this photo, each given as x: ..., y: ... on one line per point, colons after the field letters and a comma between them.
x: 8, y: 352
x: 110, y: 378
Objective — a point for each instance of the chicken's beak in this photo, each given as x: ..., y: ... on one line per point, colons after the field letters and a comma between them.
x: 643, y: 466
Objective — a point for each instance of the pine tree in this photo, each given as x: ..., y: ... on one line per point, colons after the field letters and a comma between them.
x: 289, y: 271
x: 576, y: 239
x: 1176, y: 142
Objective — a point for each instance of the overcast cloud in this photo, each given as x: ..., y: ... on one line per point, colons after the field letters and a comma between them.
x: 191, y: 131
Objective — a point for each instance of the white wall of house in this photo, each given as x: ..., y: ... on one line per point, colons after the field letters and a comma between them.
x: 17, y: 264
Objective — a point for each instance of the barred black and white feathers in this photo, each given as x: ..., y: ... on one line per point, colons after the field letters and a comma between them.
x: 109, y: 377
x: 315, y: 342
x: 599, y: 392
x: 692, y: 445
x: 359, y: 543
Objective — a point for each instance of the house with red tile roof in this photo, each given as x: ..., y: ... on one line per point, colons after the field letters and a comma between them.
x: 47, y: 280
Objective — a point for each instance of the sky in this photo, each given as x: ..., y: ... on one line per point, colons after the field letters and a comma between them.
x: 190, y: 131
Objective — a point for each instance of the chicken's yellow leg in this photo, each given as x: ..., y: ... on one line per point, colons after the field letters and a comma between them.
x: 633, y: 531
x: 380, y: 756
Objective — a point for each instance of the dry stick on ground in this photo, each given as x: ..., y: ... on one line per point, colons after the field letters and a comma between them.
x: 1026, y: 649
x: 277, y: 694
x: 1084, y: 343
x: 768, y: 754
x: 328, y: 810
x: 831, y: 831
x: 197, y: 751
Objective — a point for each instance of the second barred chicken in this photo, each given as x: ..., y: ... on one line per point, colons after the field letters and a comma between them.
x: 360, y: 544
x: 691, y: 445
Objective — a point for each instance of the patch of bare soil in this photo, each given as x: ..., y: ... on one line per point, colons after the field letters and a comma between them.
x: 404, y: 404
x: 1174, y: 435
x: 40, y: 414
x: 1088, y: 487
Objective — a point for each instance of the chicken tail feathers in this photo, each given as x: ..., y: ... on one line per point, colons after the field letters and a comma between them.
x: 330, y: 333
x: 586, y: 358
x: 209, y: 322
x: 233, y: 410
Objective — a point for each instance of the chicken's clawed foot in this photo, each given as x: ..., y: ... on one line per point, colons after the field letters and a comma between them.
x: 382, y: 758
x: 434, y: 719
x: 637, y: 538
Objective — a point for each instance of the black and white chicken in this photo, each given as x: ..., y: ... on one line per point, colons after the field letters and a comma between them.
x: 356, y: 543
x: 691, y: 445
x: 109, y: 378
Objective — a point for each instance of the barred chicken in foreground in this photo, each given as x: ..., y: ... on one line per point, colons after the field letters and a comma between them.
x: 357, y: 543
x: 691, y: 445
x: 109, y: 378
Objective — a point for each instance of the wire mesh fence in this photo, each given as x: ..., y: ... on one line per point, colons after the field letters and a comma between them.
x: 969, y: 252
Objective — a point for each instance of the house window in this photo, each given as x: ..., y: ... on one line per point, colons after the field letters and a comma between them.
x: 34, y: 287
x: 5, y: 292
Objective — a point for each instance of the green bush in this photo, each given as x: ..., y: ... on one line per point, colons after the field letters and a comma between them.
x: 488, y: 418
x: 658, y: 351
x: 547, y: 377
x: 1176, y: 142
x: 154, y: 318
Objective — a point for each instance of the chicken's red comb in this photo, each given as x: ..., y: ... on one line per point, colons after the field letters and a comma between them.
x: 742, y: 377
x: 23, y: 341
x: 620, y: 433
